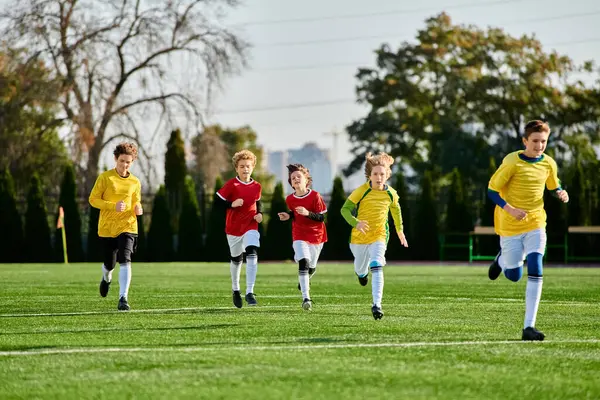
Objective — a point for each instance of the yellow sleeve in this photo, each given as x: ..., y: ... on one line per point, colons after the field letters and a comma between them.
x: 136, y: 198
x: 357, y: 195
x: 96, y: 199
x: 553, y: 183
x: 502, y: 175
x: 396, y: 212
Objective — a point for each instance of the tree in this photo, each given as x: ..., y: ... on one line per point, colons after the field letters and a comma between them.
x: 427, y: 230
x: 114, y: 61
x: 216, y: 247
x: 338, y: 230
x: 141, y: 253
x: 160, y: 234
x: 175, y: 173
x: 94, y: 245
x: 11, y: 246
x: 37, y: 230
x: 487, y: 244
x: 473, y: 86
x: 278, y: 243
x: 458, y: 215
x: 72, y: 223
x: 395, y: 249
x: 28, y: 125
x: 190, y: 227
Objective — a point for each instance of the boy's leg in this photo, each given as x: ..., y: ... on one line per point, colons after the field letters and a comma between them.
x: 126, y: 247
x: 302, y: 257
x: 535, y: 245
x: 376, y: 264
x: 315, y: 252
x: 361, y: 262
x: 251, y: 245
x: 236, y: 251
x: 511, y: 256
x: 110, y: 259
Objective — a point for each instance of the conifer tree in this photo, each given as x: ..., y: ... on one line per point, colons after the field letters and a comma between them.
x: 11, y: 245
x: 37, y: 229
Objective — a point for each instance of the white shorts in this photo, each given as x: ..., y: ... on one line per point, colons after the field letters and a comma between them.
x: 307, y: 250
x: 237, y: 244
x: 364, y: 254
x: 515, y: 248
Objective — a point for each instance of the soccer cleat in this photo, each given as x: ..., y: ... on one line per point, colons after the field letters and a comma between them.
x: 307, y: 304
x: 377, y: 312
x: 104, y: 286
x: 251, y: 299
x: 123, y: 305
x: 364, y: 280
x: 495, y: 270
x: 237, y: 299
x: 530, y: 333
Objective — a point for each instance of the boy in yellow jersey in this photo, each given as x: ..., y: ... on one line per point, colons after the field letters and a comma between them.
x: 117, y: 193
x: 372, y: 202
x: 517, y: 188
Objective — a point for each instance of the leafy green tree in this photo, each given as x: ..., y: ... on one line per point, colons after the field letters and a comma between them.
x: 217, y: 248
x: 11, y: 246
x: 427, y: 230
x: 487, y: 244
x: 189, y: 242
x: 278, y: 242
x: 72, y: 219
x: 338, y: 230
x: 458, y: 214
x: 395, y: 249
x: 37, y: 230
x: 141, y: 253
x: 160, y: 234
x: 175, y: 173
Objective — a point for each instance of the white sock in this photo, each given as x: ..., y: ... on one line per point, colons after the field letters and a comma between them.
x: 501, y: 262
x: 533, y: 293
x: 235, y: 268
x: 377, y: 285
x: 303, y: 278
x: 106, y: 274
x: 124, y: 279
x: 251, y: 268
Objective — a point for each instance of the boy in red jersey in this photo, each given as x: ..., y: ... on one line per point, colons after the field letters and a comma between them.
x: 307, y: 211
x: 241, y: 196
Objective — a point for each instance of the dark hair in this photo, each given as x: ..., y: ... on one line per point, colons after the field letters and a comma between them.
x: 535, y: 126
x: 299, y: 167
x: 126, y: 148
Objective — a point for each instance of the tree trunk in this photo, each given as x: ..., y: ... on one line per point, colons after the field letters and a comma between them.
x: 91, y: 172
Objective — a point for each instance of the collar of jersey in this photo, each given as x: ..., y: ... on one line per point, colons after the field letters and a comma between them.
x: 529, y: 159
x: 301, y: 197
x: 119, y: 175
x: 241, y: 181
x: 385, y: 186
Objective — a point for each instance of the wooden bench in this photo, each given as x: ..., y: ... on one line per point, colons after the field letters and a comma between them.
x: 587, y: 230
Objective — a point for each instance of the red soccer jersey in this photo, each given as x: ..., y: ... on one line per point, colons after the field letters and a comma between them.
x: 240, y: 220
x: 304, y: 228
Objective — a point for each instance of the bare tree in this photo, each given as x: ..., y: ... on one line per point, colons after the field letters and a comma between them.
x: 211, y: 157
x: 125, y: 63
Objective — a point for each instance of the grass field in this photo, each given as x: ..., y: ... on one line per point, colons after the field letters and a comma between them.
x: 448, y: 332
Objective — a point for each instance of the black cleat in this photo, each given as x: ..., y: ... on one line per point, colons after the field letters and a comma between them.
x: 307, y: 304
x: 530, y: 333
x: 123, y: 305
x: 237, y: 299
x: 364, y: 280
x: 104, y: 286
x: 495, y: 270
x: 251, y: 299
x: 377, y: 312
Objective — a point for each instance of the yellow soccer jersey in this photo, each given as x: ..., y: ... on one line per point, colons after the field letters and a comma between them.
x: 521, y: 183
x: 109, y: 189
x: 372, y: 206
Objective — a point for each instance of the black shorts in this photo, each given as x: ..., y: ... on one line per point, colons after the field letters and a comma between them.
x: 119, y: 249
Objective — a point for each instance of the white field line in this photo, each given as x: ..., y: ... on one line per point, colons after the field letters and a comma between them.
x: 288, y: 347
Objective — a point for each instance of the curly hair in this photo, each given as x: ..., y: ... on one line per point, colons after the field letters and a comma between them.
x: 243, y: 155
x: 299, y: 167
x: 536, y: 126
x: 129, y: 149
x: 381, y: 159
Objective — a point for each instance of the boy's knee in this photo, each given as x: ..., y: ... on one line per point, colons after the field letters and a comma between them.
x: 534, y: 264
x: 251, y: 251
x: 303, y: 265
x: 238, y: 259
x: 514, y: 274
x: 375, y: 265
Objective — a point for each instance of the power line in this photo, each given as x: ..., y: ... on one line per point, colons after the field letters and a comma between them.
x: 395, y: 34
x: 379, y: 13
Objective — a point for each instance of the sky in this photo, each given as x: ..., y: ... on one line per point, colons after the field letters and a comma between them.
x: 305, y: 55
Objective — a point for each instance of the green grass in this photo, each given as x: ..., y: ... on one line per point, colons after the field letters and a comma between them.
x: 448, y: 332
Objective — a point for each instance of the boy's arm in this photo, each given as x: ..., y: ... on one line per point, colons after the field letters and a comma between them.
x: 320, y: 208
x: 346, y: 211
x: 96, y: 199
x: 221, y: 201
x: 259, y: 206
x: 396, y: 213
x: 497, y: 182
x: 137, y: 197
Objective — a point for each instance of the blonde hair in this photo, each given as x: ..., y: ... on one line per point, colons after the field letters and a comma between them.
x: 382, y: 159
x: 299, y: 167
x: 243, y: 155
